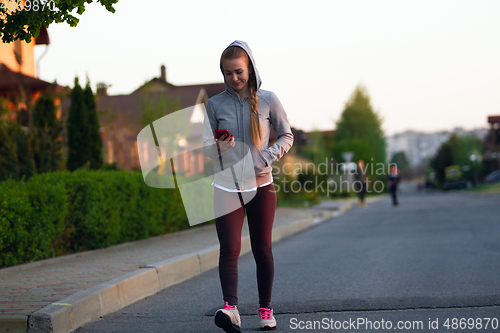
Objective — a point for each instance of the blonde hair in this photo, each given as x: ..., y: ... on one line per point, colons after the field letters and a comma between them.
x: 234, y: 52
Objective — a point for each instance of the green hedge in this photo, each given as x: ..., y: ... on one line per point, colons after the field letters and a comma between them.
x: 59, y: 213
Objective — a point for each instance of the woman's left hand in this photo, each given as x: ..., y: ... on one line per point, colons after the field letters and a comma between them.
x: 225, y: 143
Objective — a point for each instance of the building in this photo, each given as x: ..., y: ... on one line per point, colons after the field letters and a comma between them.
x: 120, y: 118
x: 120, y: 123
x: 420, y: 147
x: 491, y: 156
x: 17, y: 76
x: 19, y: 56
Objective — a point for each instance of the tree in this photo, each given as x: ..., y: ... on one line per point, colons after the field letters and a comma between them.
x: 20, y: 21
x: 48, y: 146
x: 359, y: 130
x: 467, y: 146
x: 399, y: 158
x: 444, y: 158
x: 44, y: 113
x: 76, y: 128
x: 319, y: 147
x: 94, y: 141
x: 9, y: 131
x: 458, y: 151
x: 16, y: 139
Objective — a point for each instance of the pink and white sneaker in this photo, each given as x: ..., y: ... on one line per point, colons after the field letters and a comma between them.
x: 267, y: 321
x: 228, y: 318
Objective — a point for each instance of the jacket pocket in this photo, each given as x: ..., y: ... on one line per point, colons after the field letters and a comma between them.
x: 259, y: 163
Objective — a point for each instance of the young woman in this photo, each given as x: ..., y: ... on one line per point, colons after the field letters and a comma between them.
x: 361, y: 183
x: 247, y: 113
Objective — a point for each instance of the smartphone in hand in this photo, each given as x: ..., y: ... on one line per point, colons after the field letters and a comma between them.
x: 221, y: 133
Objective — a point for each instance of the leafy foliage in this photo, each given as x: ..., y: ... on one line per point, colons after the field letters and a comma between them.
x: 320, y: 148
x: 48, y: 145
x: 359, y: 130
x: 24, y: 24
x: 94, y: 141
x: 457, y: 151
x: 84, y: 138
x: 444, y: 157
x: 16, y: 143
x: 77, y: 129
x: 399, y: 158
x: 60, y: 212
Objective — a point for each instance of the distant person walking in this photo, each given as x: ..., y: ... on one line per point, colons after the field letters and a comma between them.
x: 393, y: 180
x: 429, y: 186
x: 361, y: 183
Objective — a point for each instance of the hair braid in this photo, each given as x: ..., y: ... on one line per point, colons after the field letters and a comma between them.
x: 255, y: 126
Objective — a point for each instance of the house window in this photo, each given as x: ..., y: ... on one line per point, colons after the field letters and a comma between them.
x: 18, y: 52
x: 146, y: 152
x: 110, y: 152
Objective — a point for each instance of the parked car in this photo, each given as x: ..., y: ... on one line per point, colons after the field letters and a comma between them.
x: 454, y: 178
x: 493, y: 177
x: 455, y: 184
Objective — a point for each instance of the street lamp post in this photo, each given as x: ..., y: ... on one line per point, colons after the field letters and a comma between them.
x: 347, y: 156
x: 473, y: 159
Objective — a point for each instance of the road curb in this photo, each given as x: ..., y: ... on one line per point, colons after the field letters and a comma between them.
x: 89, y: 305
x: 13, y: 323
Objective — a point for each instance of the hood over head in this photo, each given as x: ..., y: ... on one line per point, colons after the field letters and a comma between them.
x: 247, y: 49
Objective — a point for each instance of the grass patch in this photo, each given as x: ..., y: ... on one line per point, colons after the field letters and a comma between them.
x: 298, y: 201
x: 305, y: 200
x: 487, y: 188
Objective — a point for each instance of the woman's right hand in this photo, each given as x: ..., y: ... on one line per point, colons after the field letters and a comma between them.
x: 224, y: 143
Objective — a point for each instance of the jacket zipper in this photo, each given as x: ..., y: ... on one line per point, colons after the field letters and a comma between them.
x: 243, y: 150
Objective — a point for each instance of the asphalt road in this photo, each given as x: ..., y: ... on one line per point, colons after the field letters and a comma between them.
x: 433, y: 260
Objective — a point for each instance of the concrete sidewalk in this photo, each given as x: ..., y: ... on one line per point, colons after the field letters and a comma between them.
x: 61, y: 294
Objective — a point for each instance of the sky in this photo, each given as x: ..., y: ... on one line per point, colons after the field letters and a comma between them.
x: 427, y: 65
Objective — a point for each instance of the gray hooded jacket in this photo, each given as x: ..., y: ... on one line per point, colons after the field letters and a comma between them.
x: 227, y: 111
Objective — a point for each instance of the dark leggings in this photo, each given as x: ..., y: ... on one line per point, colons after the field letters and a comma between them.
x: 260, y: 215
x: 394, y: 195
x: 362, y: 192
